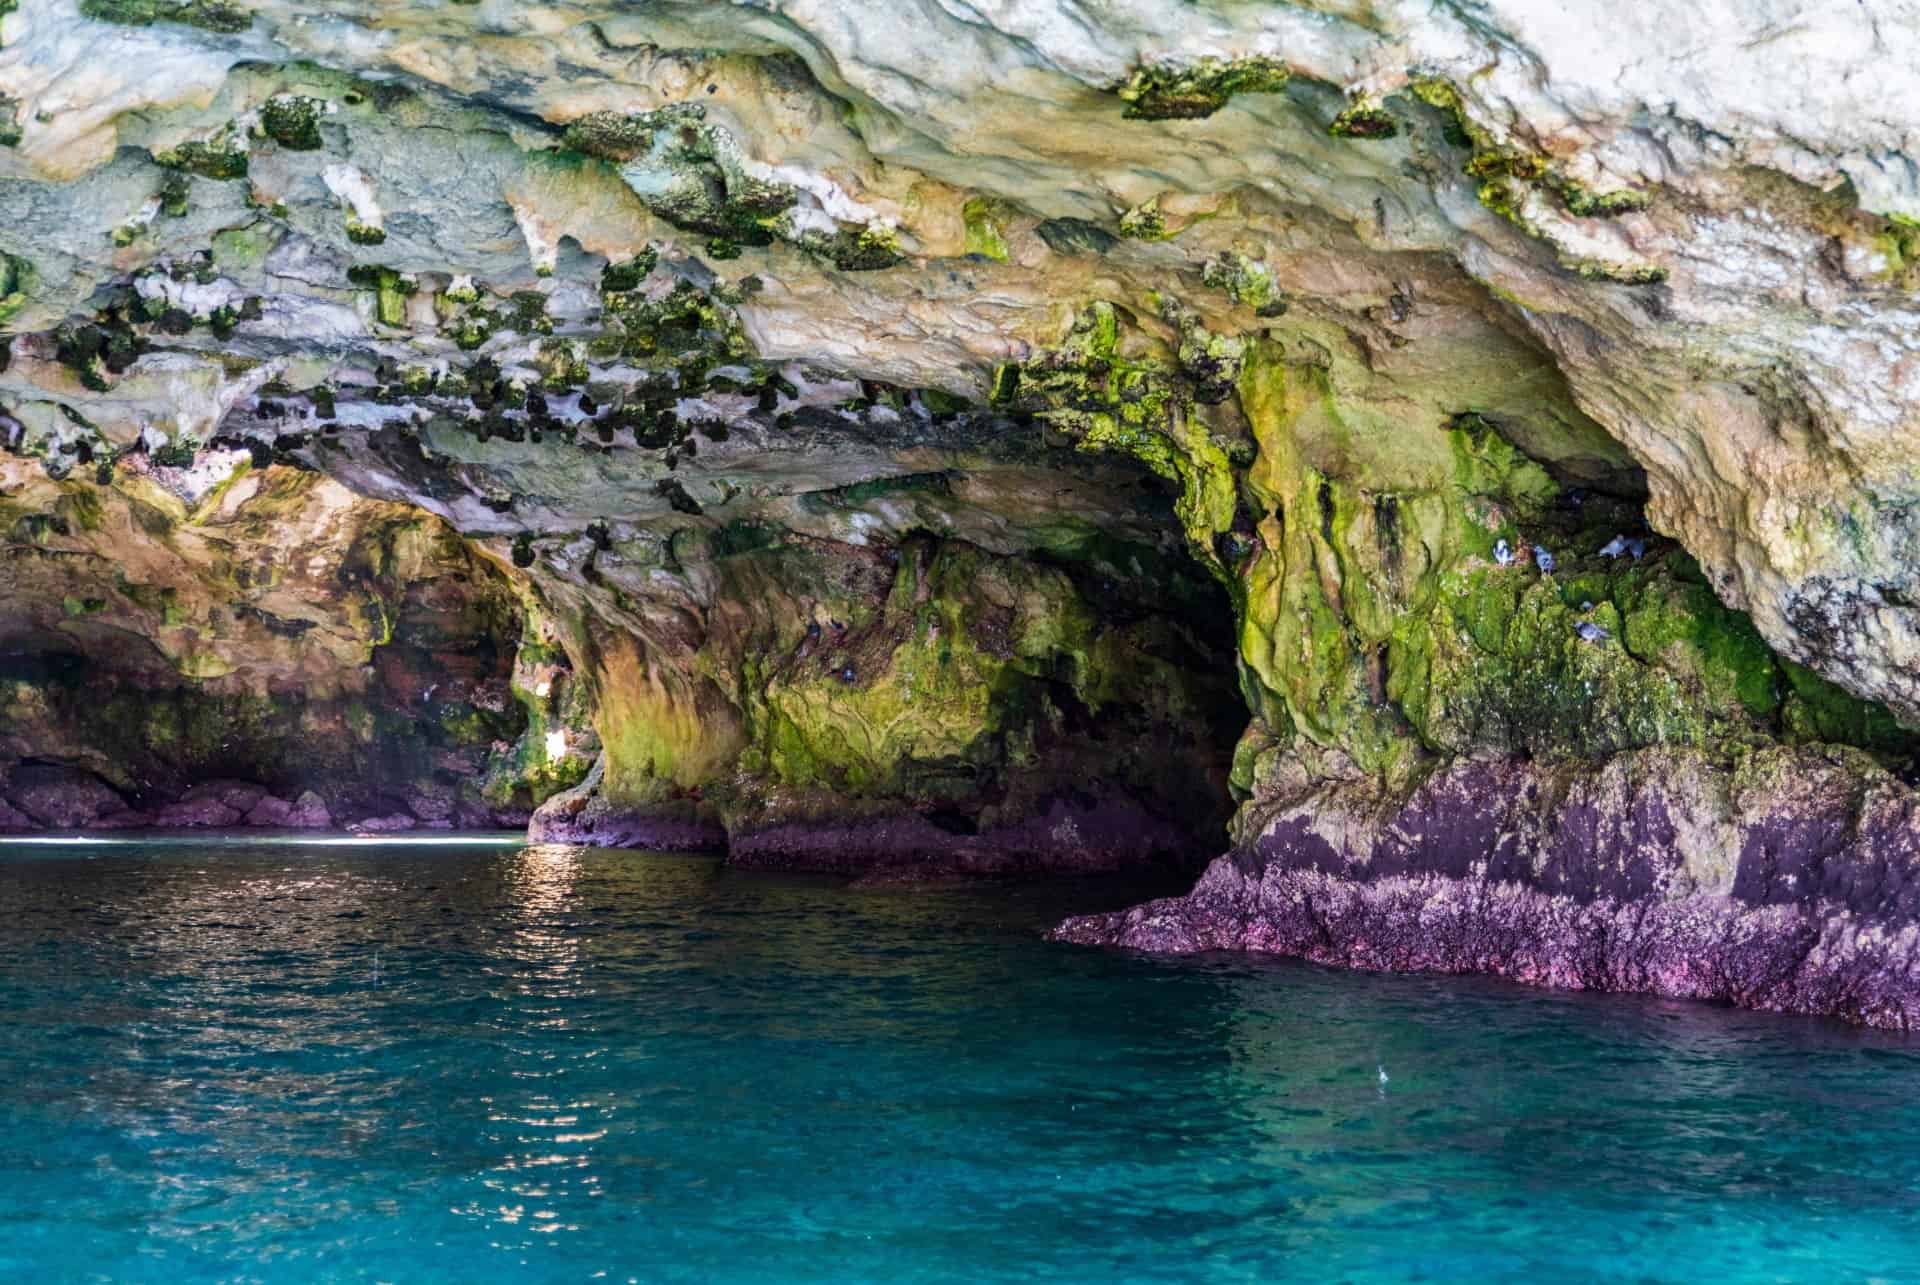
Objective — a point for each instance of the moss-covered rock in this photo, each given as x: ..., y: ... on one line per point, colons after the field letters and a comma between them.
x: 1246, y: 281
x: 1464, y: 603
x: 1446, y: 598
x: 688, y: 170
x: 1107, y: 395
x: 209, y: 15
x: 931, y: 679
x: 219, y: 158
x: 559, y: 745
x: 391, y: 290
x: 868, y: 248
x: 293, y: 121
x: 1364, y: 119
x: 1197, y: 89
x: 376, y: 668
x: 984, y: 237
x: 1145, y: 222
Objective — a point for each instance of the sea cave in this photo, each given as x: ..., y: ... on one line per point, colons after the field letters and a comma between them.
x: 920, y: 549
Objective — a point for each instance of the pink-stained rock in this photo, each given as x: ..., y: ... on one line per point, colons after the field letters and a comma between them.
x: 475, y: 816
x: 60, y: 798
x: 308, y: 812
x: 583, y: 815
x: 239, y: 797
x: 614, y: 828
x: 1790, y: 884
x: 1818, y: 958
x: 430, y: 807
x: 435, y: 812
x: 1083, y: 836
x: 205, y: 812
x: 124, y: 819
x: 1097, y: 831
x: 392, y: 823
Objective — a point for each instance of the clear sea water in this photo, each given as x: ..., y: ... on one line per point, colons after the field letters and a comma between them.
x: 247, y: 1062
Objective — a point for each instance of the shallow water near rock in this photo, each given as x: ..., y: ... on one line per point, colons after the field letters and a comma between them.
x: 489, y: 1061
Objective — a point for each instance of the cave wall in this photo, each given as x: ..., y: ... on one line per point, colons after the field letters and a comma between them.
x: 1065, y: 381
x: 267, y: 626
x: 1430, y: 592
x: 825, y: 704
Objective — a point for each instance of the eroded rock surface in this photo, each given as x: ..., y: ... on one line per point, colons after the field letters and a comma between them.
x: 208, y: 658
x: 1786, y: 882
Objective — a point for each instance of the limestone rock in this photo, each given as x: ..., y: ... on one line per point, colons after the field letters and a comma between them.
x: 308, y: 812
x: 12, y: 820
x: 583, y: 814
x: 1788, y: 883
x: 1525, y: 178
x: 391, y: 823
x: 59, y: 798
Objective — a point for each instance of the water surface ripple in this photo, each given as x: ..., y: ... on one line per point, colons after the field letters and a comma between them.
x: 252, y: 1062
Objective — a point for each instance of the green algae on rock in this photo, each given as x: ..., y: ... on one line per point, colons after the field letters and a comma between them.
x: 692, y: 173
x: 1090, y: 392
x: 937, y: 678
x: 210, y: 15
x: 1198, y: 89
x: 218, y: 159
x: 201, y: 700
x: 1364, y: 119
x: 293, y: 121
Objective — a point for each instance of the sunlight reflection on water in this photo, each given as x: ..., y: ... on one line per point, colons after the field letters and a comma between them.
x: 443, y: 1059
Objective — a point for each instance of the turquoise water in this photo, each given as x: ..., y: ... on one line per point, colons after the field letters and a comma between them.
x: 498, y: 1063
